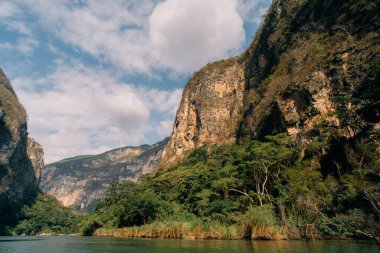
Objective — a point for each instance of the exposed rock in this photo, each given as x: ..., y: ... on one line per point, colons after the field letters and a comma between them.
x: 312, y: 68
x: 18, y: 181
x: 307, y: 58
x: 210, y: 110
x: 80, y: 181
x: 36, y: 156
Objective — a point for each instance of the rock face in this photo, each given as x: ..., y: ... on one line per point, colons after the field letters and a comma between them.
x: 18, y: 181
x: 80, y: 181
x: 36, y: 156
x: 210, y: 110
x: 311, y: 71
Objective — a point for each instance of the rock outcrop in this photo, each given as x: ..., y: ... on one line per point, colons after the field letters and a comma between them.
x: 36, y: 156
x: 18, y: 181
x: 80, y: 181
x: 312, y: 71
x: 210, y: 110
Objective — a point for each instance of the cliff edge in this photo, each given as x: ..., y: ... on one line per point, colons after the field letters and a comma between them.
x: 312, y: 71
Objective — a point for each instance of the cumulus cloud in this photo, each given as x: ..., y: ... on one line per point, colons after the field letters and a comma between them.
x: 79, y: 110
x: 140, y: 36
x: 85, y: 108
x: 187, y: 34
x: 114, y: 31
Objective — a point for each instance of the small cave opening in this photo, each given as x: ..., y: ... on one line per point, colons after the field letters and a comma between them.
x: 273, y: 123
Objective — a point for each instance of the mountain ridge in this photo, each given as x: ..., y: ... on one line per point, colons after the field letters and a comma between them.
x: 79, y: 181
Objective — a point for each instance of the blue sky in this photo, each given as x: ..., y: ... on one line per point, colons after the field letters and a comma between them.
x: 95, y: 75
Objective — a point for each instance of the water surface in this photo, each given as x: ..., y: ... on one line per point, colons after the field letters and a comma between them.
x: 73, y: 244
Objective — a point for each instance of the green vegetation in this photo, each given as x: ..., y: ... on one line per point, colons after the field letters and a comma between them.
x: 193, y: 228
x: 46, y: 215
x: 260, y: 190
x: 88, y: 226
x: 125, y: 205
x: 218, y: 67
x: 326, y: 185
x: 15, y: 113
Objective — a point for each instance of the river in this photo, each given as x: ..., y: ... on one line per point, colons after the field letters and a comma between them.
x: 74, y: 244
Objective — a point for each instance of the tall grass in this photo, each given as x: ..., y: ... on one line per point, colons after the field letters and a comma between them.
x: 193, y: 229
x: 257, y: 223
x: 260, y: 222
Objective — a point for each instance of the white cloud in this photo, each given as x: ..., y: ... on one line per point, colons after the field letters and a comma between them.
x: 164, y: 127
x: 187, y: 34
x: 26, y: 45
x: 79, y: 110
x: 8, y: 9
x: 19, y: 27
x: 140, y: 36
x: 253, y: 11
x: 156, y: 98
x: 6, y: 46
x: 114, y: 31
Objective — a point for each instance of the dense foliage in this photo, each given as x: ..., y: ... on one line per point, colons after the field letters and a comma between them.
x: 260, y: 186
x: 126, y: 205
x: 276, y: 188
x: 47, y: 215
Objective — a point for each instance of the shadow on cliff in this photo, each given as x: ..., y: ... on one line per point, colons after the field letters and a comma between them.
x: 18, y: 182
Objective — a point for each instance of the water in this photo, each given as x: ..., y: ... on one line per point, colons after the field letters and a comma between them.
x: 72, y: 244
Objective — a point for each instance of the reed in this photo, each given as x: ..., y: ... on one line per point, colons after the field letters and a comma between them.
x: 198, y: 229
x: 260, y: 222
x: 194, y: 229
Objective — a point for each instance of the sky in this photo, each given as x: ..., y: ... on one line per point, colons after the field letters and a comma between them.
x: 95, y: 75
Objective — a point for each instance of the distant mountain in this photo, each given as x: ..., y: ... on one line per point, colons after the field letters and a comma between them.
x: 80, y: 181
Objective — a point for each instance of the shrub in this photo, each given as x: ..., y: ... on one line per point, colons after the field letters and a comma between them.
x: 88, y: 227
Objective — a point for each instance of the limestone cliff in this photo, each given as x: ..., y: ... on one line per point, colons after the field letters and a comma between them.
x: 210, y: 110
x: 312, y: 71
x: 36, y: 156
x: 18, y: 181
x: 80, y: 181
x: 312, y: 62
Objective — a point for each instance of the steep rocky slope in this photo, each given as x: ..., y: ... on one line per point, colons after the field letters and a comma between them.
x: 80, y: 181
x: 312, y: 71
x: 210, y: 110
x: 36, y: 156
x: 18, y: 181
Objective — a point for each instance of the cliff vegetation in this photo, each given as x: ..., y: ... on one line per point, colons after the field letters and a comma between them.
x: 261, y: 190
x: 281, y: 142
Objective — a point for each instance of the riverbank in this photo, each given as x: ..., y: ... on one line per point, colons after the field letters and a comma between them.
x: 197, y: 230
x: 192, y: 230
x: 187, y: 232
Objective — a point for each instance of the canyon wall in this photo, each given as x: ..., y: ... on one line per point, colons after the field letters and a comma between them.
x: 80, y: 181
x: 311, y: 71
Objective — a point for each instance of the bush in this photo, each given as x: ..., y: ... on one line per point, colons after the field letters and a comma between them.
x: 127, y: 205
x: 88, y: 227
x: 47, y: 215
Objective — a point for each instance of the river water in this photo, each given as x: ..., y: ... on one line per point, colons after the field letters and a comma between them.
x: 74, y: 244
